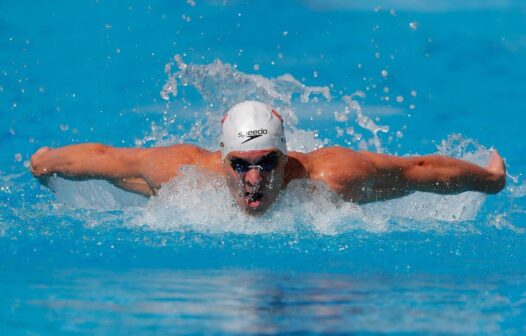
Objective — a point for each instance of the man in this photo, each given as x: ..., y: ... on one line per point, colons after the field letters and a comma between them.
x: 256, y: 165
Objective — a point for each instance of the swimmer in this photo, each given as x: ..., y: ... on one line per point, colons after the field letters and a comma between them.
x: 254, y: 160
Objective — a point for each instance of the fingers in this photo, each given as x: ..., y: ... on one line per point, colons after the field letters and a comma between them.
x: 496, y: 164
x: 42, y: 150
x: 35, y: 165
x: 497, y: 169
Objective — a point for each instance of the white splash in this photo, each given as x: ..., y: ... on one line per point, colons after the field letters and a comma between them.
x: 221, y: 86
x: 95, y: 194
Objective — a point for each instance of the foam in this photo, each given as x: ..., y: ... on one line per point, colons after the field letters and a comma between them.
x: 95, y: 194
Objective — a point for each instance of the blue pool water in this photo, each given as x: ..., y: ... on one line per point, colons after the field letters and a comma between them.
x: 400, y: 77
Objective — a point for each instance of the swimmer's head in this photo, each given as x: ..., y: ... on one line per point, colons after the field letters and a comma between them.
x: 252, y: 125
x: 254, y: 153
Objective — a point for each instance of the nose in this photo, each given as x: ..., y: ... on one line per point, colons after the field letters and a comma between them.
x: 253, y: 177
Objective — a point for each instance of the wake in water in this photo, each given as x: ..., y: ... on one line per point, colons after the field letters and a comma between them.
x: 199, y: 201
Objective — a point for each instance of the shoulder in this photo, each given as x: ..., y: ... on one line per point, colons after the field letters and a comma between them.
x: 343, y: 170
x: 182, y: 154
x: 336, y: 161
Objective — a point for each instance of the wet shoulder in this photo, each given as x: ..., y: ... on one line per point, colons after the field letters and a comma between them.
x: 186, y: 154
x: 336, y: 162
x: 170, y: 158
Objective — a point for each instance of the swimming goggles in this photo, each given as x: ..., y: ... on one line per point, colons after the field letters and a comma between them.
x: 267, y: 164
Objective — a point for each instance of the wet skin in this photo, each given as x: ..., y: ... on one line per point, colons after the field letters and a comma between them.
x: 355, y: 176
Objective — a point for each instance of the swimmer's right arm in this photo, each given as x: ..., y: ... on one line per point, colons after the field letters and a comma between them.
x: 119, y: 166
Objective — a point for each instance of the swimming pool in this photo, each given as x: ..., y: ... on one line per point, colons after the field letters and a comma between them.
x: 400, y: 77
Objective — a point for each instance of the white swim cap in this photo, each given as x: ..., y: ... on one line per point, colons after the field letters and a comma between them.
x: 252, y: 125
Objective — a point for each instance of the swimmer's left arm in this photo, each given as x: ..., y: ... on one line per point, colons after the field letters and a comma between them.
x: 367, y: 177
x: 390, y: 176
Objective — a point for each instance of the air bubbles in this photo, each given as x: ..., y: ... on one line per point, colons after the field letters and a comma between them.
x: 18, y: 157
x: 108, y: 26
x: 186, y: 18
x: 256, y: 67
x: 285, y: 33
x: 315, y: 74
x: 384, y: 73
x: 412, y: 106
x: 191, y: 2
x: 413, y: 25
x: 413, y: 93
x: 399, y: 99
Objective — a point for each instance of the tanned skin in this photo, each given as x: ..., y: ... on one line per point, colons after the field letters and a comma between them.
x: 356, y: 176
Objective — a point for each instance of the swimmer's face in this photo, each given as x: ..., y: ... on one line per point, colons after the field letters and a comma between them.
x: 255, y: 178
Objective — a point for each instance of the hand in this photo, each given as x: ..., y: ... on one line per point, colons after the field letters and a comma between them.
x: 35, y: 166
x: 497, y: 171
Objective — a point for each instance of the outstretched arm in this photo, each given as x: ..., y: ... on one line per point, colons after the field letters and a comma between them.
x: 371, y: 177
x: 121, y: 166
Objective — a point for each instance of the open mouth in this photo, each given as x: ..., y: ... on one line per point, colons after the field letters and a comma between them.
x: 253, y: 199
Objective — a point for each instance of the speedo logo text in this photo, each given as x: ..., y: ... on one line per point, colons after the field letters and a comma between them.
x: 251, y: 135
